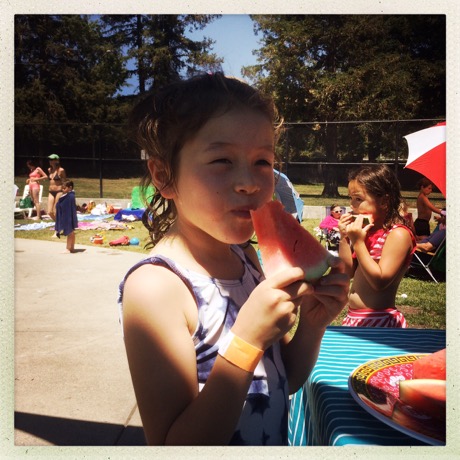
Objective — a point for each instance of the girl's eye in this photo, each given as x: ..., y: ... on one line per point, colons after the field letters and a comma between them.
x: 221, y: 161
x: 264, y: 163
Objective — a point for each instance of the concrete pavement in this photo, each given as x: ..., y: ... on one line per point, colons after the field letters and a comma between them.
x: 72, y: 382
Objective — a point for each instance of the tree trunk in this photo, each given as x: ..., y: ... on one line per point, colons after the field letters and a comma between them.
x: 330, y: 189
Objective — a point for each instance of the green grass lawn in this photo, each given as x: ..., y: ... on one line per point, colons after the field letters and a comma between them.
x: 121, y: 188
x: 424, y: 303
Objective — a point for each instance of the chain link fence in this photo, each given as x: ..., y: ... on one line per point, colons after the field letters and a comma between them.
x: 310, y: 152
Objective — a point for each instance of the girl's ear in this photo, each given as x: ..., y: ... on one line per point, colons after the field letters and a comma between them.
x: 384, y: 202
x: 160, y: 178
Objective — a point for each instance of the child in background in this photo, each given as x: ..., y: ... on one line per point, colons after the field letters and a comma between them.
x: 207, y: 337
x: 66, y: 215
x: 376, y: 255
x: 424, y: 209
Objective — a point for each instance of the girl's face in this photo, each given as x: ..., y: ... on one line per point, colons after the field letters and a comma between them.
x: 225, y: 171
x: 362, y: 202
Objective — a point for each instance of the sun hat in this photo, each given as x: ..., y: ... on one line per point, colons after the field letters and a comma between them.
x: 54, y: 157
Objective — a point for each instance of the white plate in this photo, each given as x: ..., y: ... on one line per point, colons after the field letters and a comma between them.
x: 375, y: 387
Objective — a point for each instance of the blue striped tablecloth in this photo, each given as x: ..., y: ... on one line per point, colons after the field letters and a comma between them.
x: 323, y: 412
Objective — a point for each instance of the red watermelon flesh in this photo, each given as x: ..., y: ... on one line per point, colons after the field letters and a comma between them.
x: 425, y: 395
x: 432, y: 366
x: 284, y: 243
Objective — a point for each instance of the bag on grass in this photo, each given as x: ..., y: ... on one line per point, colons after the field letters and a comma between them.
x: 26, y: 202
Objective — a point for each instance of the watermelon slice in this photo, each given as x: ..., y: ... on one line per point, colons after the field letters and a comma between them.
x: 432, y: 366
x: 367, y: 219
x: 284, y: 243
x: 425, y: 395
x: 420, y: 422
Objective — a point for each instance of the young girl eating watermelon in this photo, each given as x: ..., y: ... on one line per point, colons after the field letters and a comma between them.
x: 206, y: 335
x: 377, y: 254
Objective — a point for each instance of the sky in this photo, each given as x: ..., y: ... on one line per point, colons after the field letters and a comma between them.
x: 235, y: 41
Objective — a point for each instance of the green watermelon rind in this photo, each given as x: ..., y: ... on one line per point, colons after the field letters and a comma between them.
x: 279, y: 222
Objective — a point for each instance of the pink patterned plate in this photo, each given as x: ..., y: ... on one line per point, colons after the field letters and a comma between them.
x: 375, y: 387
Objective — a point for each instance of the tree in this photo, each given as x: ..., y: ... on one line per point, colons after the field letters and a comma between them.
x: 158, y: 47
x: 64, y: 74
x: 339, y: 68
x: 70, y: 72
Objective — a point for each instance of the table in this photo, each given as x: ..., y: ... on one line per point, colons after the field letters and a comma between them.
x: 323, y: 412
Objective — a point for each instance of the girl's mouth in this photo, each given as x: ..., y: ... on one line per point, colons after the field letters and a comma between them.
x: 242, y: 213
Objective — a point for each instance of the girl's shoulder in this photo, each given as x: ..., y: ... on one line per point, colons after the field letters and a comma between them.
x: 154, y: 287
x: 403, y: 234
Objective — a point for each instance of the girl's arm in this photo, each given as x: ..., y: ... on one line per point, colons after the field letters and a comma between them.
x: 42, y: 174
x: 319, y: 308
x: 379, y: 274
x: 159, y: 320
x: 62, y: 174
x: 157, y: 312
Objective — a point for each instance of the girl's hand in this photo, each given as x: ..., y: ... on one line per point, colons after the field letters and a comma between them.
x: 354, y: 229
x: 344, y: 221
x: 329, y: 297
x: 271, y: 309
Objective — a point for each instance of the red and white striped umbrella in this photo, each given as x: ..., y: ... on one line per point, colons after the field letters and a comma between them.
x: 427, y: 154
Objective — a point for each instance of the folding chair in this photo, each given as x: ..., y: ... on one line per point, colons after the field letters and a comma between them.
x: 27, y: 211
x: 429, y: 260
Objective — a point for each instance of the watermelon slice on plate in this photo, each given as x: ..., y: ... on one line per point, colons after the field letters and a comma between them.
x: 284, y: 243
x: 425, y: 395
x: 432, y: 366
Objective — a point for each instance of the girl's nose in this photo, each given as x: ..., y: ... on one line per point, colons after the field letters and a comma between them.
x: 245, y: 183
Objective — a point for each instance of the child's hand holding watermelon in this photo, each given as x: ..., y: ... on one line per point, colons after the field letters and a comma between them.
x: 271, y: 310
x: 285, y: 244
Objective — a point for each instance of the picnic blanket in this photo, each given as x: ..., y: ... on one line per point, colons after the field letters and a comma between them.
x: 35, y: 226
x: 103, y: 225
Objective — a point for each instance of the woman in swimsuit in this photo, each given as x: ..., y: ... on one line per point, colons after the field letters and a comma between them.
x: 57, y: 176
x: 36, y: 174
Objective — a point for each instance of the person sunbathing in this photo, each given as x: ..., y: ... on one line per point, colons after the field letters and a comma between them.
x: 433, y: 241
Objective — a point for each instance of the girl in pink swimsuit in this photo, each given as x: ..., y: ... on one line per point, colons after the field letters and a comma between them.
x: 35, y: 176
x: 376, y: 255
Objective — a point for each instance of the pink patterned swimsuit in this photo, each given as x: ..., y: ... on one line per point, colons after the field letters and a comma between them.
x: 375, y: 241
x: 34, y: 175
x: 389, y: 317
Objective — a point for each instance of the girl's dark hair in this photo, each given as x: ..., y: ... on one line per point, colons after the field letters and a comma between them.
x: 164, y: 121
x: 423, y: 182
x: 381, y: 182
